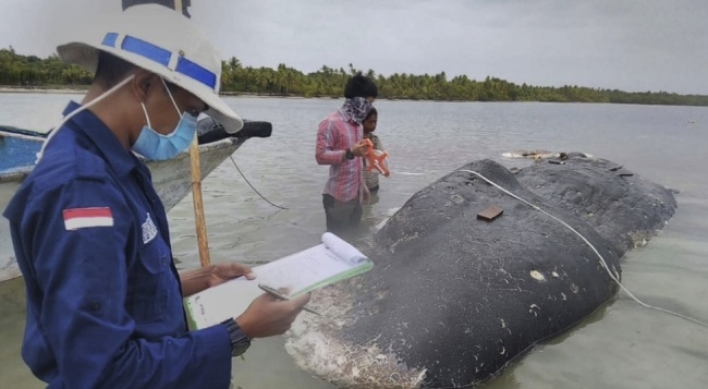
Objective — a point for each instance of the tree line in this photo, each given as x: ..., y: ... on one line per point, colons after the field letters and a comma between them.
x: 32, y: 71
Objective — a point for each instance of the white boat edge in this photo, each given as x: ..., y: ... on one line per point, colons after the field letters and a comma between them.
x: 172, y: 180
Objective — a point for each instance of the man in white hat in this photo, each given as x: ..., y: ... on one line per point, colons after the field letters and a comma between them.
x: 104, y: 299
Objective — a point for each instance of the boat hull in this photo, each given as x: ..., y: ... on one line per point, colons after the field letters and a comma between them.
x: 172, y: 180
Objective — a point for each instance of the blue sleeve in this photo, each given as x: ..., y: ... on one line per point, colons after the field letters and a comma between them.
x: 83, y: 277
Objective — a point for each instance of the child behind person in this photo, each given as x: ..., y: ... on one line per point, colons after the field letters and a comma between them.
x: 371, y: 177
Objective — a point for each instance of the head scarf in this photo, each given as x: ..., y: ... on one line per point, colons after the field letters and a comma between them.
x: 357, y: 108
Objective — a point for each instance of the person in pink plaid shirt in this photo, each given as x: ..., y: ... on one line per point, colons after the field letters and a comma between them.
x: 341, y: 144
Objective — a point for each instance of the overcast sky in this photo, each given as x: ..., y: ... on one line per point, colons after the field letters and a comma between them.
x: 634, y: 45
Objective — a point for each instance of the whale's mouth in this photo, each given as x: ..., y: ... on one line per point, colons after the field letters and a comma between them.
x: 315, y: 344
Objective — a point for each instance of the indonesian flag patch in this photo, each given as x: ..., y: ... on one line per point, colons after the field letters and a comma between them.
x: 77, y: 218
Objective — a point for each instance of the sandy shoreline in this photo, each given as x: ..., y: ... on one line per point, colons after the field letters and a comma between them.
x: 79, y: 90
x: 42, y: 90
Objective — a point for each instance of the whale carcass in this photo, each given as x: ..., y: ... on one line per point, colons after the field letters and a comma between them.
x: 453, y: 299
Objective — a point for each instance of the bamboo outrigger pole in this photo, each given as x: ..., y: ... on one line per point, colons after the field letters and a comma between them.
x: 200, y: 221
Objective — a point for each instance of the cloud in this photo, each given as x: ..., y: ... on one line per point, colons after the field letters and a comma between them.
x: 623, y: 44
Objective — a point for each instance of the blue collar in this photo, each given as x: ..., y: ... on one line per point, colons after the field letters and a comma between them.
x: 87, y: 123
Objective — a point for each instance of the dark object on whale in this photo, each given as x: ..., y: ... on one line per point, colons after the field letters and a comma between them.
x: 490, y: 213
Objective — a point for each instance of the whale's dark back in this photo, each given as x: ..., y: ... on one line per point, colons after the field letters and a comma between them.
x: 462, y: 297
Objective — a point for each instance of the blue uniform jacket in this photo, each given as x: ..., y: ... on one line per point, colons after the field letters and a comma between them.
x: 104, y: 300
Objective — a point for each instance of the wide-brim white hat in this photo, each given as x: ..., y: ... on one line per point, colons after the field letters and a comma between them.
x: 162, y: 41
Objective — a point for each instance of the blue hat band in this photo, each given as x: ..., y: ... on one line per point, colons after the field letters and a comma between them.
x: 162, y: 56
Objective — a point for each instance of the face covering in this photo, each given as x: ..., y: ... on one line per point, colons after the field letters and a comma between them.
x: 158, y: 147
x: 357, y: 108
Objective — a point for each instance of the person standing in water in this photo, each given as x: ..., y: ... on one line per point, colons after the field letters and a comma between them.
x: 371, y: 177
x: 341, y: 145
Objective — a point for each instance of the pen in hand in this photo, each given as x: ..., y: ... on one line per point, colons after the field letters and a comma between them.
x: 274, y: 292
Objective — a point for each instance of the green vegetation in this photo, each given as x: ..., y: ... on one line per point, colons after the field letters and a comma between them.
x: 31, y: 71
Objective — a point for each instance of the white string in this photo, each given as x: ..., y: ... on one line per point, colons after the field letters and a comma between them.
x: 68, y: 117
x: 179, y: 113
x: 602, y: 259
x: 147, y: 117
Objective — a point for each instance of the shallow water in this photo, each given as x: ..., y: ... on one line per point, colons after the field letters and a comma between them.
x: 622, y: 346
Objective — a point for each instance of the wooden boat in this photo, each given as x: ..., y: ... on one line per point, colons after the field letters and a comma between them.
x: 172, y: 178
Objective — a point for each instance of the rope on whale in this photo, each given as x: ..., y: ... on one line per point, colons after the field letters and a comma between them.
x: 602, y: 259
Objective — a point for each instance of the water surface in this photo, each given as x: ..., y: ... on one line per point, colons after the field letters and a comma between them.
x: 622, y: 346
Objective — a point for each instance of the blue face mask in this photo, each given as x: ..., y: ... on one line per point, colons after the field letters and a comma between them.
x: 158, y: 147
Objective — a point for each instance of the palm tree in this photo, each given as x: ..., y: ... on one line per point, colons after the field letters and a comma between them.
x: 235, y: 64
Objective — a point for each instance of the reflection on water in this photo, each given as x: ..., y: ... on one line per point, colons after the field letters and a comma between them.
x: 621, y: 346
